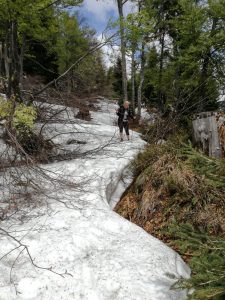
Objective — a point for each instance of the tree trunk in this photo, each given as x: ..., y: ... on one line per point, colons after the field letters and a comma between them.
x: 69, y: 83
x: 1, y: 69
x: 133, y: 78
x: 7, y: 62
x: 123, y: 49
x: 14, y: 61
x: 160, y: 94
x: 142, y: 77
x: 6, y: 59
x: 22, y: 52
x: 204, y: 72
x: 176, y: 84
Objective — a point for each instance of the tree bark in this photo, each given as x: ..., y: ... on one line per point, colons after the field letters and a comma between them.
x: 123, y: 49
x: 15, y: 61
x: 1, y: 66
x: 204, y: 71
x: 133, y: 78
x: 7, y: 62
x: 142, y: 77
x: 22, y: 52
x: 160, y: 94
x: 12, y: 61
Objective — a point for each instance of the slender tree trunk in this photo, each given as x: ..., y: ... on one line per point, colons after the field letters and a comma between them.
x: 1, y: 66
x: 1, y: 58
x: 6, y: 59
x: 123, y: 49
x: 160, y: 94
x: 13, y: 60
x: 142, y: 77
x: 22, y: 52
x: 16, y: 60
x: 69, y: 83
x: 133, y: 77
x: 204, y: 71
x: 6, y: 63
x: 176, y: 85
x: 142, y: 69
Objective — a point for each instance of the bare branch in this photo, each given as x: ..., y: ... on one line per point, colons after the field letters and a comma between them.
x: 94, y: 49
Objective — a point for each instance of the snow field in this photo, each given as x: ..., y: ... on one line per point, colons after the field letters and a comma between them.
x: 104, y: 256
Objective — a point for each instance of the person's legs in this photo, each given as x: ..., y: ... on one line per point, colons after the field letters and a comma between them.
x: 120, y: 124
x: 126, y: 127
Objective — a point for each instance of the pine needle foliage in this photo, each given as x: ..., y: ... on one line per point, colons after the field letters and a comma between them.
x: 212, y: 169
x: 207, y: 262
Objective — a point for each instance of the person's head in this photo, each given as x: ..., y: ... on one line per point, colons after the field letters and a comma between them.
x: 126, y: 104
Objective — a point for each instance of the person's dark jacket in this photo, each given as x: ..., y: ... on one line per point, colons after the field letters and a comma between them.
x: 120, y: 114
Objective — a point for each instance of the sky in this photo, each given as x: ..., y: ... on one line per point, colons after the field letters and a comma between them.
x: 97, y: 14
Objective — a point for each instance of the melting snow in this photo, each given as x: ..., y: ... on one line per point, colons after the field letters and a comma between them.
x: 106, y: 257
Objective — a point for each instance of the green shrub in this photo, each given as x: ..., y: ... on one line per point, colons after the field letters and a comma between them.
x: 22, y: 116
x: 6, y: 108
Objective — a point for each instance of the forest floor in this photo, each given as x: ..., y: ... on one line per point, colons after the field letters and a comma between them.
x: 67, y: 242
x: 177, y: 195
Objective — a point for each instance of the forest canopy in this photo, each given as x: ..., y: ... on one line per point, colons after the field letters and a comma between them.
x: 178, y: 49
x: 172, y: 52
x: 44, y: 38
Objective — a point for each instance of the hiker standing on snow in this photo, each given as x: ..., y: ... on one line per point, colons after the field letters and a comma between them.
x: 125, y: 114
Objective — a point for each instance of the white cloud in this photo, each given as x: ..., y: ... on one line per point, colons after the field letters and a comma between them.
x: 129, y: 7
x: 111, y: 54
x: 102, y: 8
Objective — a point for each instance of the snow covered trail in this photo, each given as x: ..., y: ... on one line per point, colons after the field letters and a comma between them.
x: 105, y: 256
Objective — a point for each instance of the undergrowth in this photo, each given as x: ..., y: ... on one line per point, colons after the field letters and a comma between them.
x: 18, y: 129
x: 207, y: 262
x: 179, y: 196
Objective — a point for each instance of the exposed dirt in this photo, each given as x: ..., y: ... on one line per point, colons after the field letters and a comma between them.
x: 168, y: 190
